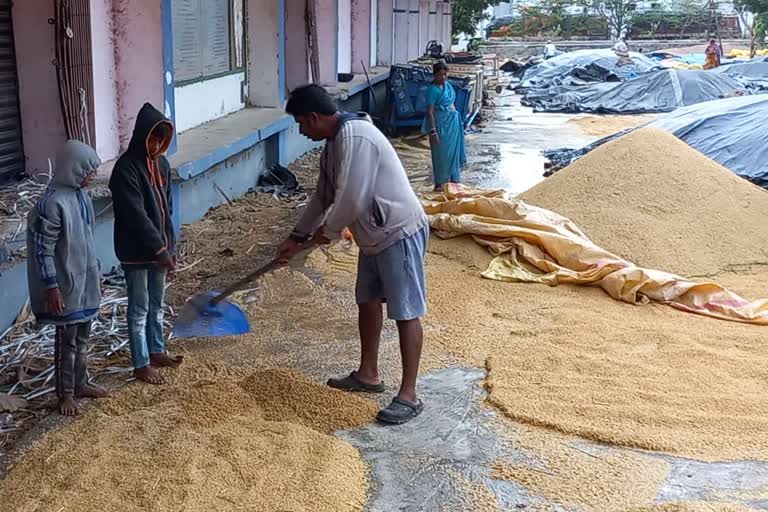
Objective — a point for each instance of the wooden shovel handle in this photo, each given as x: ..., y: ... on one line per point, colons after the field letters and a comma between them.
x: 269, y: 267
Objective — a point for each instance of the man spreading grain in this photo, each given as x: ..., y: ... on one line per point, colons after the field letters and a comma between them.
x: 363, y: 185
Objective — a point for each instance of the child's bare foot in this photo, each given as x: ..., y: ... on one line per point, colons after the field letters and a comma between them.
x: 165, y: 361
x: 91, y: 391
x: 67, y: 406
x: 149, y: 375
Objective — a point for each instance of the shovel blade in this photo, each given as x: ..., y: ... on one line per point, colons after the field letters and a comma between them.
x: 199, y: 319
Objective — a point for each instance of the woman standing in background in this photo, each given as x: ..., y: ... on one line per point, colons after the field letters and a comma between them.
x: 445, y: 128
x: 713, y: 54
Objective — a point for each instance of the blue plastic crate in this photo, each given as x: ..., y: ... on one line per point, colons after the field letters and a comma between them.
x: 407, y: 84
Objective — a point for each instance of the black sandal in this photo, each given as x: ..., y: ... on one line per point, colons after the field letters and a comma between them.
x: 400, y: 411
x: 352, y: 383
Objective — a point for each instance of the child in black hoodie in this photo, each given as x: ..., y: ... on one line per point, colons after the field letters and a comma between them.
x: 145, y: 239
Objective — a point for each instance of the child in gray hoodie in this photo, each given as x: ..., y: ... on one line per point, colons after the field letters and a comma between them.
x: 62, y: 270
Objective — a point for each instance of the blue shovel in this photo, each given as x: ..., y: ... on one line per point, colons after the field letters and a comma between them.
x: 210, y: 314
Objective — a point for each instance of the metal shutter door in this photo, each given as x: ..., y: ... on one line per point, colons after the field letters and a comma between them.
x: 11, y: 155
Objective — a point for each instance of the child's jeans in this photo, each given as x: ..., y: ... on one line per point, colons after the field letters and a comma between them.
x: 70, y: 354
x: 146, y: 290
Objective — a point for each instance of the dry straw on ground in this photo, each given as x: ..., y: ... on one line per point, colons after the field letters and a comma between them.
x: 653, y: 200
x: 213, y: 439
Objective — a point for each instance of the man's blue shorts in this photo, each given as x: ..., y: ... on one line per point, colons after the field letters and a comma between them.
x: 396, y: 276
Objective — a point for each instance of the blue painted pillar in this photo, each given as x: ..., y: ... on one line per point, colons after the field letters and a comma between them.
x: 282, y: 143
x: 169, y: 83
x: 282, y: 154
x: 176, y: 200
x: 336, y: 43
x: 169, y: 78
x: 276, y: 150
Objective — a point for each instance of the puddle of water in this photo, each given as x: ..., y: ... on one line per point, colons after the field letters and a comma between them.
x: 512, y: 168
x: 694, y: 480
x: 427, y: 464
x: 507, y: 153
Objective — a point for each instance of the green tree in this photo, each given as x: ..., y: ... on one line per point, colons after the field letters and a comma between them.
x: 467, y: 15
x: 759, y: 27
x: 618, y: 14
x: 553, y: 11
x: 688, y: 11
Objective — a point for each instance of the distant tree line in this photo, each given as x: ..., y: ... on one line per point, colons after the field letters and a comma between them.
x: 645, y: 25
x: 619, y: 19
x: 756, y: 20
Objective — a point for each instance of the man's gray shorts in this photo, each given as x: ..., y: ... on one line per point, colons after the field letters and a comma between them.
x: 396, y: 276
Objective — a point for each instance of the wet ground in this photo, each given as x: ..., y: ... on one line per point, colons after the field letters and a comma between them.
x: 506, y: 153
x: 439, y: 460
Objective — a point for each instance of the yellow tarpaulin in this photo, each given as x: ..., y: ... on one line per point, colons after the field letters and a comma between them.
x: 535, y: 245
x: 738, y: 53
x: 676, y: 64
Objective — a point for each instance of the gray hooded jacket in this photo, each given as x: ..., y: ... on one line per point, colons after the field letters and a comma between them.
x: 60, y: 249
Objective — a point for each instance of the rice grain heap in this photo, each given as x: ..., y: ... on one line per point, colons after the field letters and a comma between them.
x: 653, y: 200
x: 694, y: 506
x: 202, y: 442
x: 608, y: 125
x: 573, y: 361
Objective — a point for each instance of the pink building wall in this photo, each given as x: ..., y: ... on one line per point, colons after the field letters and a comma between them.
x: 400, y: 55
x: 296, y: 58
x: 42, y: 126
x: 433, y: 27
x: 138, y: 60
x: 105, y: 99
x: 423, y: 24
x: 384, y: 32
x: 263, y: 53
x: 414, y: 24
x: 327, y: 12
x: 344, y: 36
x: 361, y: 34
x: 447, y: 23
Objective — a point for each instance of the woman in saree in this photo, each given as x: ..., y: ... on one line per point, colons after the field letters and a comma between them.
x: 712, y: 55
x: 445, y: 128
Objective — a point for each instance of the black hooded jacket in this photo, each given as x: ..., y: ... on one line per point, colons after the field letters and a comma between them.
x: 141, y: 195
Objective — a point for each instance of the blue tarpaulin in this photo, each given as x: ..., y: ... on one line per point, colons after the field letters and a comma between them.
x: 601, y: 65
x: 730, y: 131
x: 660, y: 91
x: 753, y: 72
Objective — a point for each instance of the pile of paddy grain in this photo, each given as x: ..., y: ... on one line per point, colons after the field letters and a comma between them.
x: 608, y: 125
x: 571, y: 360
x: 655, y: 201
x: 695, y: 506
x: 212, y: 439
